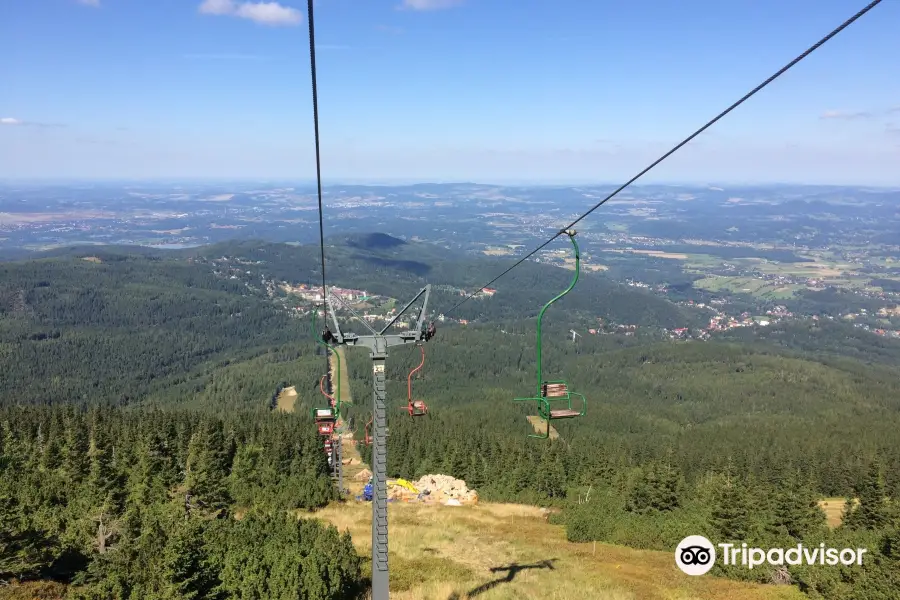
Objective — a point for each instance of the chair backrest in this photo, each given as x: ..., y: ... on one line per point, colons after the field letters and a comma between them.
x: 555, y: 390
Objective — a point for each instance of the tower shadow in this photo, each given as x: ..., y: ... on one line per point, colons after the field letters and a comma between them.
x: 511, y: 571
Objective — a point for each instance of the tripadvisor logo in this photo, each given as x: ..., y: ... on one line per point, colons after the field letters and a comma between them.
x: 696, y: 555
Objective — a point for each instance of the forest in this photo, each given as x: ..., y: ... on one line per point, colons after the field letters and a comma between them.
x: 136, y: 398
x: 168, y: 504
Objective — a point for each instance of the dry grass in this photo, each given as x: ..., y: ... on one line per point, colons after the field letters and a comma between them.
x: 834, y: 508
x: 540, y: 426
x: 33, y: 590
x: 286, y: 399
x: 445, y: 553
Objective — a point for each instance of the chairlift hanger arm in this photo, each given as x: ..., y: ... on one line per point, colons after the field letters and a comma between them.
x: 571, y: 233
x: 425, y: 290
x: 353, y: 312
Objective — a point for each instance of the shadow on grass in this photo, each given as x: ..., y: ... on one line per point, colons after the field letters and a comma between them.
x: 511, y: 571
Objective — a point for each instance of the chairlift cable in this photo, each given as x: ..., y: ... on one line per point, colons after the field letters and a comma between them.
x: 315, y: 101
x: 746, y: 97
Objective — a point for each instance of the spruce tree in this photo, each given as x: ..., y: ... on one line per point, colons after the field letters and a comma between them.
x: 656, y: 489
x: 185, y: 573
x: 732, y: 510
x: 205, y: 473
x: 796, y: 512
x: 873, y: 512
x: 24, y: 550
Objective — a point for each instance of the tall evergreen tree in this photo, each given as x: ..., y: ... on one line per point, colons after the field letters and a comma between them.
x: 796, y: 511
x: 206, y: 469
x: 873, y: 511
x: 732, y: 512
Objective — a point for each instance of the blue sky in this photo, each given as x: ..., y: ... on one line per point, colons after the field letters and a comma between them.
x: 425, y: 90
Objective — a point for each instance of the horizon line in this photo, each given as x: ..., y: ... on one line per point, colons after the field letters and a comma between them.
x: 436, y: 181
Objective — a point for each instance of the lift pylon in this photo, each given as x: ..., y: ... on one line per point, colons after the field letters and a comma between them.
x: 378, y: 343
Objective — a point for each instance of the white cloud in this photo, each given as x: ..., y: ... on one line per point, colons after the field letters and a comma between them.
x: 21, y: 123
x: 430, y: 4
x: 846, y: 114
x: 265, y: 13
x: 95, y: 3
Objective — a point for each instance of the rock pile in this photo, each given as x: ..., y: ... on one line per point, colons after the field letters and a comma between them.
x: 443, y: 487
x: 363, y: 475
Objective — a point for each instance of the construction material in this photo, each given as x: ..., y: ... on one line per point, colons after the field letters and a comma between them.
x: 443, y: 487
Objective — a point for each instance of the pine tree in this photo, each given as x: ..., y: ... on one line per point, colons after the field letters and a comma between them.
x: 23, y: 550
x: 185, y: 571
x: 656, y: 489
x: 731, y: 515
x: 796, y: 512
x: 146, y: 484
x: 873, y: 512
x: 205, y: 474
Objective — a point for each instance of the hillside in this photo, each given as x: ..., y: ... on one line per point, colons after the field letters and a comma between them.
x: 379, y: 265
x: 156, y: 324
x: 125, y: 327
x: 510, y: 552
x: 675, y: 433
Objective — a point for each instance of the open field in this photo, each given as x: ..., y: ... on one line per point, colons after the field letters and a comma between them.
x: 654, y: 253
x: 497, y: 251
x: 834, y: 509
x: 807, y: 269
x: 510, y: 552
x: 569, y: 263
x: 286, y: 399
x: 747, y: 285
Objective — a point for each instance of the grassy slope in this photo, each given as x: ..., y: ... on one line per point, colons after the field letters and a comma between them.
x: 447, y: 553
x: 453, y: 553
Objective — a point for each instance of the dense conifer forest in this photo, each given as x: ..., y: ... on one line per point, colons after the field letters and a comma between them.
x: 142, y: 504
x: 140, y: 456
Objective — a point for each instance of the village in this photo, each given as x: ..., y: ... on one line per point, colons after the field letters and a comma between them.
x: 300, y: 299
